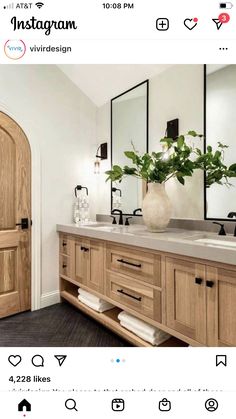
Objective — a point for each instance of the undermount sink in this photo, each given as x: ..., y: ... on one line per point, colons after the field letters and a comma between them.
x: 103, y: 226
x: 95, y: 225
x: 218, y: 242
x: 213, y: 240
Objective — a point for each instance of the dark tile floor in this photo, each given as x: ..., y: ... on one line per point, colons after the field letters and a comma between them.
x: 58, y: 325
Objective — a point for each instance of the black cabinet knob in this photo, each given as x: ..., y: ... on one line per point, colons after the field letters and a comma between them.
x: 209, y: 284
x: 64, y: 265
x: 198, y: 281
x: 84, y: 249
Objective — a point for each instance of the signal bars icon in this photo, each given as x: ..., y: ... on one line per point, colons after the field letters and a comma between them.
x: 9, y: 6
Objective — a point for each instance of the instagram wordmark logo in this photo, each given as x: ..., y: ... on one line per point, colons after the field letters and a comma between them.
x: 14, y: 49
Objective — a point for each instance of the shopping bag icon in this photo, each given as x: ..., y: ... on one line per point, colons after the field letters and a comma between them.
x: 164, y: 405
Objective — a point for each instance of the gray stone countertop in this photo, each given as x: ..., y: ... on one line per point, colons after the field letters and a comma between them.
x: 198, y: 244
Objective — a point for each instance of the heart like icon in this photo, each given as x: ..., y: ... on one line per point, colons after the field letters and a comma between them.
x: 14, y: 360
x: 191, y: 23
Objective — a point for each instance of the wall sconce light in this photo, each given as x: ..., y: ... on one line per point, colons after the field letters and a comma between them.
x: 101, y: 154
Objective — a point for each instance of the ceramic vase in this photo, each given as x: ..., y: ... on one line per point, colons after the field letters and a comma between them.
x: 156, y: 208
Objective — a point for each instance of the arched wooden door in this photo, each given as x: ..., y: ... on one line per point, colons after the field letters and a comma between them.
x: 15, y: 218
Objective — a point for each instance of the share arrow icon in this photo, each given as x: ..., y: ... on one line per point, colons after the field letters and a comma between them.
x: 61, y: 359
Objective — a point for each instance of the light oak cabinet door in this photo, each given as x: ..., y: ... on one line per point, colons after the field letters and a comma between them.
x: 89, y: 264
x: 81, y: 261
x: 186, y: 298
x: 221, y: 307
x: 95, y: 278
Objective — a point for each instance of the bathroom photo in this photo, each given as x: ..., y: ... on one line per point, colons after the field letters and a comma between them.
x: 118, y: 205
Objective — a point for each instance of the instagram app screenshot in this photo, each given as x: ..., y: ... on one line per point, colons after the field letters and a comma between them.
x: 117, y: 209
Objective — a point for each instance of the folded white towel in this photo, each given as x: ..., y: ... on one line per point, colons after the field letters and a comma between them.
x: 140, y: 325
x: 157, y: 340
x: 91, y: 297
x: 97, y: 307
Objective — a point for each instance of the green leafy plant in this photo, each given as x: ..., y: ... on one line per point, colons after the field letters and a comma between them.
x: 212, y: 162
x: 176, y: 160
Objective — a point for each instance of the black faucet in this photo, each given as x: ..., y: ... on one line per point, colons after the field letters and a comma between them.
x: 137, y: 210
x: 117, y: 211
x: 222, y: 229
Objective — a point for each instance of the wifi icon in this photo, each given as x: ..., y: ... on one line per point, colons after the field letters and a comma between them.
x: 39, y: 4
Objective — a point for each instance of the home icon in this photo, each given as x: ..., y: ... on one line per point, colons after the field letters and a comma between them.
x: 24, y: 405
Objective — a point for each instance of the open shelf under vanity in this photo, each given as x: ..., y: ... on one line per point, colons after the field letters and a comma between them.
x: 109, y: 319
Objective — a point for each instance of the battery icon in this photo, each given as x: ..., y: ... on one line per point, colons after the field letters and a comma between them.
x: 227, y: 5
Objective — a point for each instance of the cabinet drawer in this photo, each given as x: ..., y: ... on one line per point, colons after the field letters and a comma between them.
x: 134, y: 295
x: 65, y: 266
x: 65, y: 245
x: 137, y: 264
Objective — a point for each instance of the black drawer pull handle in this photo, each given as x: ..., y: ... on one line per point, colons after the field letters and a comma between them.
x: 137, y: 265
x: 198, y: 281
x: 64, y: 265
x: 129, y: 295
x: 209, y: 284
x: 84, y: 249
x: 64, y: 243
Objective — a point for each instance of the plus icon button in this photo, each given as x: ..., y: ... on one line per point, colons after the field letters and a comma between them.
x: 162, y: 24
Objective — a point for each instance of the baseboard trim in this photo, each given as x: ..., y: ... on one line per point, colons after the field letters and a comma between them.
x: 50, y: 298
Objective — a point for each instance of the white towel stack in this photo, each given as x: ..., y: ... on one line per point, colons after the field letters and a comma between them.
x: 142, y: 329
x: 93, y: 302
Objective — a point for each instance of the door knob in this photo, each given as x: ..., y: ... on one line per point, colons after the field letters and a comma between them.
x: 24, y: 223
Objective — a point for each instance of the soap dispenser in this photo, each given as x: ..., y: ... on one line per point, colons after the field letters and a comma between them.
x: 81, y: 205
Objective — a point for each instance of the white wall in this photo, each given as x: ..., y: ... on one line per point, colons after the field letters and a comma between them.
x: 65, y: 128
x: 60, y: 121
x: 175, y: 93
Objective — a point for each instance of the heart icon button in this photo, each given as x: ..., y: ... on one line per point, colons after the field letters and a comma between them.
x: 191, y: 23
x: 14, y: 360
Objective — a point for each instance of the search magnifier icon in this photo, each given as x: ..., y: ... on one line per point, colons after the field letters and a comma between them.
x: 71, y: 404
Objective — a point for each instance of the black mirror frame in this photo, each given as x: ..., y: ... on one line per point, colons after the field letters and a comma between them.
x: 147, y: 129
x: 205, y: 147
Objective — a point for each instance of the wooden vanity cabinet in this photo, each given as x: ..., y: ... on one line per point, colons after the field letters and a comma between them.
x: 194, y: 300
x: 186, y: 298
x: 201, y: 302
x: 221, y: 307
x: 66, y: 244
x: 89, y: 263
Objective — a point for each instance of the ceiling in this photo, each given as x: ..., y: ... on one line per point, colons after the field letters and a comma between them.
x: 102, y: 82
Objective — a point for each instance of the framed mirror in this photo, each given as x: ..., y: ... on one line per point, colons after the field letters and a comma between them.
x: 129, y: 128
x: 220, y: 126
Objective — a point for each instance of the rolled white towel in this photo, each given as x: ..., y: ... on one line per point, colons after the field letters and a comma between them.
x: 139, y: 325
x: 97, y: 307
x: 91, y: 297
x: 157, y: 340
